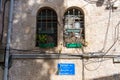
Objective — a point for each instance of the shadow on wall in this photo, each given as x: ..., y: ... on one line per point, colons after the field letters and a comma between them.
x: 32, y: 69
x: 28, y: 69
x: 112, y: 77
x: 1, y: 73
x: 99, y: 3
x: 24, y: 29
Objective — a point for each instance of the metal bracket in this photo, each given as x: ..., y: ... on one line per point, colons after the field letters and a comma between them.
x: 9, y: 65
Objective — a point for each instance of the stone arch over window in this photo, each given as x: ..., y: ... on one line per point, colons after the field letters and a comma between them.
x: 46, y: 31
x: 74, y: 30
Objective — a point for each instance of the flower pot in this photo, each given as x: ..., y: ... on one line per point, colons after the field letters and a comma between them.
x: 73, y: 45
x: 47, y: 45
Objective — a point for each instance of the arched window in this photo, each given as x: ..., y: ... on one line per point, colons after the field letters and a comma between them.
x: 74, y: 31
x: 46, y: 28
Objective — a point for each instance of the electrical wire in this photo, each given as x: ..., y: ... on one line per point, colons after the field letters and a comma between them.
x: 104, y: 46
x: 107, y: 30
x: 110, y: 48
x: 99, y: 64
x: 116, y: 36
x: 95, y: 61
x: 117, y: 26
x: 85, y: 65
x: 106, y: 51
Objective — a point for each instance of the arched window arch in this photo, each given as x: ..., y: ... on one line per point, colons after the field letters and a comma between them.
x: 46, y: 28
x: 74, y: 30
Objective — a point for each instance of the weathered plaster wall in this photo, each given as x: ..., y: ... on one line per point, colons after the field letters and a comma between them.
x: 96, y: 24
x: 0, y: 25
x: 47, y: 70
x: 42, y: 70
x: 101, y: 32
x: 101, y: 70
x: 1, y: 73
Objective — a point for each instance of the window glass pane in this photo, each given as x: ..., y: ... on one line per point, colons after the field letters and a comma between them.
x: 43, y: 27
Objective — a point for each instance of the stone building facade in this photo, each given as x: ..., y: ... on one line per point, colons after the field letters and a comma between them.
x: 101, y: 30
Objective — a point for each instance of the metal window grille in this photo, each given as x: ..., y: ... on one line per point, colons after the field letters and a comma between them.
x: 74, y: 34
x: 46, y: 28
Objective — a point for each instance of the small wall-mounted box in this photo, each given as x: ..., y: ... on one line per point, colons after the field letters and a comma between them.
x: 116, y: 4
x: 113, y: 5
x: 116, y: 60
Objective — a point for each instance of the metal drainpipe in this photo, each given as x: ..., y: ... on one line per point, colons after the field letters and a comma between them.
x: 5, y: 77
x: 0, y: 5
x: 0, y: 17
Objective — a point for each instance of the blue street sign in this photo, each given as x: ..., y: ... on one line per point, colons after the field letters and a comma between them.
x: 66, y: 69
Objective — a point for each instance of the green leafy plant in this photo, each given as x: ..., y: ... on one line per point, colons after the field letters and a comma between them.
x: 42, y: 38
